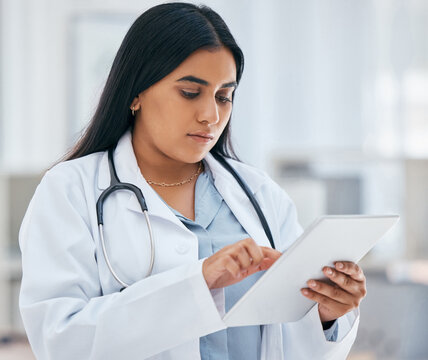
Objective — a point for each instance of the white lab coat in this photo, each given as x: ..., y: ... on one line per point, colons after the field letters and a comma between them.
x: 70, y: 303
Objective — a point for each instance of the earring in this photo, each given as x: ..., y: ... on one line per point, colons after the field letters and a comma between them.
x: 133, y: 111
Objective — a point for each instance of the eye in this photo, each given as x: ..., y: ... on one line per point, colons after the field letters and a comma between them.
x: 192, y: 95
x: 189, y: 95
x: 224, y: 99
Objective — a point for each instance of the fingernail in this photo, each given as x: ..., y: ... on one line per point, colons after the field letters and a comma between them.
x: 305, y: 292
x: 312, y: 283
x: 339, y: 265
x: 329, y: 271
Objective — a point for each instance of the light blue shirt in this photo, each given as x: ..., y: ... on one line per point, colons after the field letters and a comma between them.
x: 216, y: 227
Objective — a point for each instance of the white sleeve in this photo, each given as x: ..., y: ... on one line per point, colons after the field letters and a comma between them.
x: 305, y: 339
x: 65, y: 314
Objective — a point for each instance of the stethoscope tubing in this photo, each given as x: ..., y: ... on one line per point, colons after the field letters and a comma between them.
x: 116, y: 185
x: 152, y: 251
x: 249, y: 194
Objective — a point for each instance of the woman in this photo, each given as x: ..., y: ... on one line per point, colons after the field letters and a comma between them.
x: 165, y: 110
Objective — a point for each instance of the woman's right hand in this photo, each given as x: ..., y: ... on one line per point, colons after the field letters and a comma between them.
x: 235, y: 262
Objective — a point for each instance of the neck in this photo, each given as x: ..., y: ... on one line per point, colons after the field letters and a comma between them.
x: 157, y: 167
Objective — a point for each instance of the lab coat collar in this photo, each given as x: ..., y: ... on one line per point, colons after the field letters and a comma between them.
x: 128, y: 171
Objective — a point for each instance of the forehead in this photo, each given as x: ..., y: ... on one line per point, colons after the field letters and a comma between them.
x: 215, y: 66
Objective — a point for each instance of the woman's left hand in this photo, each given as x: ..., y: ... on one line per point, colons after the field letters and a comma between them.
x: 344, y: 295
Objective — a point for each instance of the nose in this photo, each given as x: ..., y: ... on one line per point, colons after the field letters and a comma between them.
x: 208, y: 112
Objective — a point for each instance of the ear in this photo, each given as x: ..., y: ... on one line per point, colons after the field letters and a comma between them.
x: 136, y: 103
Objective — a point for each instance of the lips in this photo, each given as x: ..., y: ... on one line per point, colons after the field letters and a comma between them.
x: 201, y: 137
x: 202, y: 134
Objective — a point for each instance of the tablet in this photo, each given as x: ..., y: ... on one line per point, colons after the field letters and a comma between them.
x: 276, y: 296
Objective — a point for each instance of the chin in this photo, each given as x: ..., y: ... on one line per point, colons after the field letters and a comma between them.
x: 188, y: 154
x: 193, y: 158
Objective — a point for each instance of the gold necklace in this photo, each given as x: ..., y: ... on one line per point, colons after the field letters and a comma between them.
x: 181, y: 182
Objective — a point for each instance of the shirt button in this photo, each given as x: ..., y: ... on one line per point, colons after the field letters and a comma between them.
x: 182, y: 247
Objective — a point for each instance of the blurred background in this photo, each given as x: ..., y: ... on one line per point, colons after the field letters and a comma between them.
x: 333, y: 103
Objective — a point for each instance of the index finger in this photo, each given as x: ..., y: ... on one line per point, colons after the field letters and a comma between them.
x: 351, y: 269
x: 270, y: 253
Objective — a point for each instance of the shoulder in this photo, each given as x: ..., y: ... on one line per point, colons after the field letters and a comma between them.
x: 61, y: 196
x: 259, y: 180
x: 70, y: 181
x: 252, y: 175
x: 249, y: 170
x: 75, y: 169
x: 268, y: 192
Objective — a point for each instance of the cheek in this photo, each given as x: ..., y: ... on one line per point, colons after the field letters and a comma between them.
x: 170, y: 116
x: 224, y: 118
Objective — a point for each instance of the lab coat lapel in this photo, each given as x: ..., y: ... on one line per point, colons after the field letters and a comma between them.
x: 237, y: 200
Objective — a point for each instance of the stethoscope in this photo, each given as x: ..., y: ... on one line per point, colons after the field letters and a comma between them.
x: 116, y: 185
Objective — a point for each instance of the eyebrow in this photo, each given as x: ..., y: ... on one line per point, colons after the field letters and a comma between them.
x: 206, y: 83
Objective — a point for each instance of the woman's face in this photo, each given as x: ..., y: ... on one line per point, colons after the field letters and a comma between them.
x: 182, y: 116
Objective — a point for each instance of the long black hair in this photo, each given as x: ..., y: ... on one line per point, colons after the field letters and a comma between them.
x: 156, y: 43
